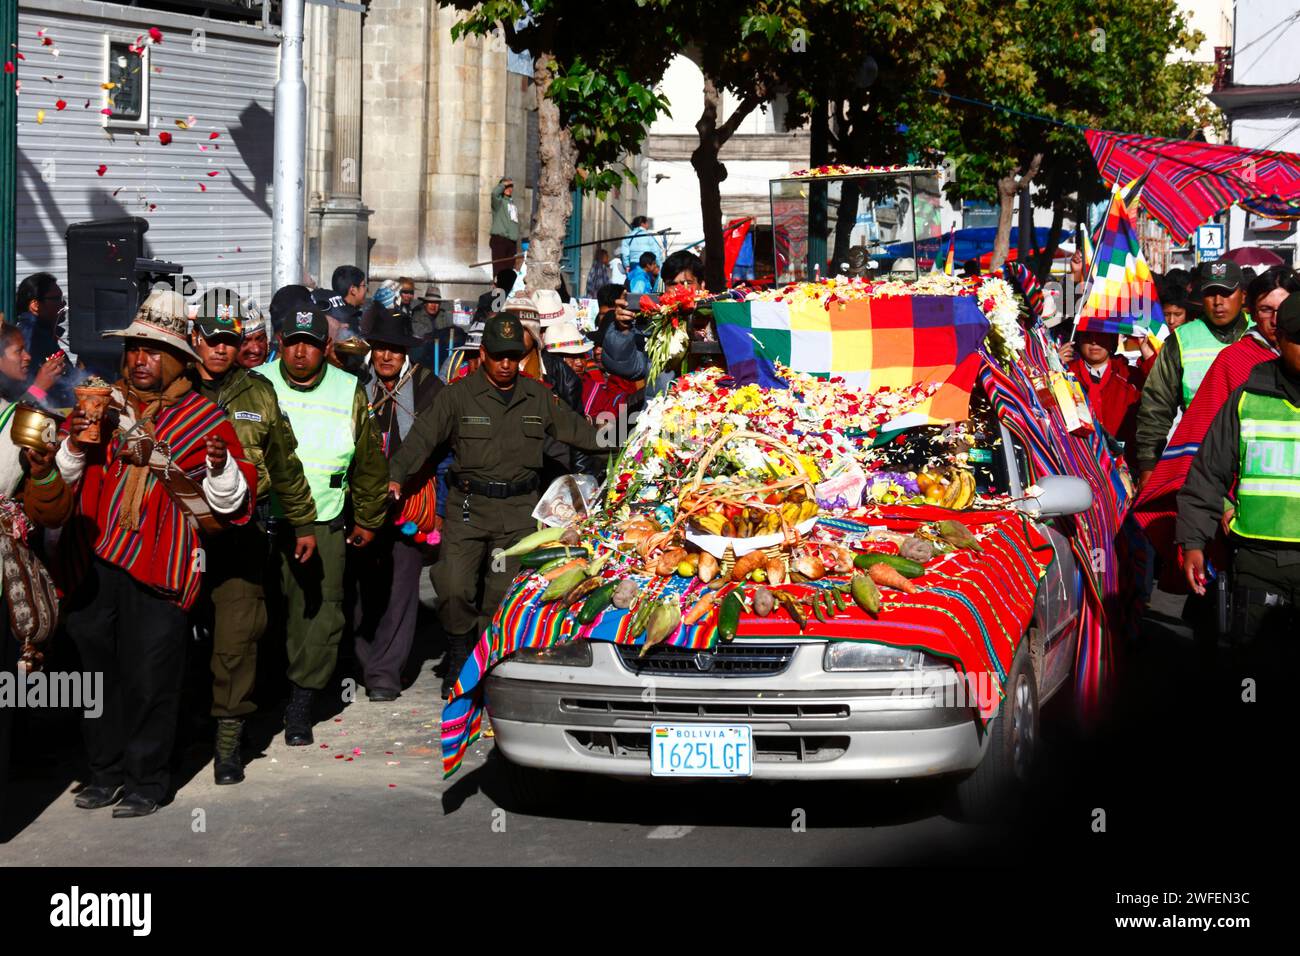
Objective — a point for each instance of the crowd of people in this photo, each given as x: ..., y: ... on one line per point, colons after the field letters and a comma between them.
x: 290, y: 473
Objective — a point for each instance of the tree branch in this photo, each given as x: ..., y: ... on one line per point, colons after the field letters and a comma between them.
x: 747, y: 106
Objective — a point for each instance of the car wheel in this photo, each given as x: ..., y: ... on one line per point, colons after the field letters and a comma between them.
x: 530, y: 789
x: 994, y: 790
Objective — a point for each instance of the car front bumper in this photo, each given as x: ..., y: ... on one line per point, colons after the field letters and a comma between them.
x: 807, y: 723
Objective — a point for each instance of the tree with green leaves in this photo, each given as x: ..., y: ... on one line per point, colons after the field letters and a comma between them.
x: 595, y: 99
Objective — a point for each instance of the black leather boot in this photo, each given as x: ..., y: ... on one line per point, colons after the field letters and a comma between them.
x: 228, y: 761
x: 297, y: 716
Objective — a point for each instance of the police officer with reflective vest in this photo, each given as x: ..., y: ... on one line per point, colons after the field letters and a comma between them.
x: 1252, y: 452
x: 344, y: 465
x: 237, y: 558
x: 1185, y: 358
x: 497, y: 423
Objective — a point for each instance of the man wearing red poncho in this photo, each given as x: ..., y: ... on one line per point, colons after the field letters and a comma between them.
x: 1156, y: 508
x: 166, y: 463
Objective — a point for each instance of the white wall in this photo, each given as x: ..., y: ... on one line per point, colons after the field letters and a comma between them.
x: 1267, y: 41
x: 226, y: 82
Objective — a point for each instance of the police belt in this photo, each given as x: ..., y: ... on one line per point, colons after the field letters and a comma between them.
x: 492, y: 489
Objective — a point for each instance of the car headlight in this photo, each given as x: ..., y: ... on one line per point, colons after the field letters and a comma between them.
x: 860, y: 656
x: 566, y: 654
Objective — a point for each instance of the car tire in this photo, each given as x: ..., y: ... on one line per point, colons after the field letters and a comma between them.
x: 530, y: 789
x: 994, y: 790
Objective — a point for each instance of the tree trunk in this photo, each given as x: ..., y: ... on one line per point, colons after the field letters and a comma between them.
x: 1043, y: 268
x: 559, y: 159
x: 710, y: 173
x: 1008, y: 186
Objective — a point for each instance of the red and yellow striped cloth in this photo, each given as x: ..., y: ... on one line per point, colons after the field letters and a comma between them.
x: 972, y: 610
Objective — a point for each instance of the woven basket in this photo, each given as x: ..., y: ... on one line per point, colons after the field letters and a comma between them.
x: 697, y: 481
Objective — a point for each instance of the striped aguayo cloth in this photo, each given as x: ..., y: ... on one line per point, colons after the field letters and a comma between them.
x: 1189, y: 182
x: 972, y: 610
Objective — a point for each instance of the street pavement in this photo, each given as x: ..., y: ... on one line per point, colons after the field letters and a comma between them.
x: 370, y: 792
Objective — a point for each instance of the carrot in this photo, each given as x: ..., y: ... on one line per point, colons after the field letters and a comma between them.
x: 886, y: 576
x: 554, y: 573
x: 747, y: 565
x: 700, y: 608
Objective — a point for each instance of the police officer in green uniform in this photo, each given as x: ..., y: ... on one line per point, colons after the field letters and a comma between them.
x: 1252, y: 451
x: 237, y: 558
x: 497, y: 423
x: 344, y: 465
x: 1185, y: 358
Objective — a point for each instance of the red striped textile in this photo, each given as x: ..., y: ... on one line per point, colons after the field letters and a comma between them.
x: 1191, y: 182
x: 972, y: 611
x: 1157, y: 506
x: 162, y: 553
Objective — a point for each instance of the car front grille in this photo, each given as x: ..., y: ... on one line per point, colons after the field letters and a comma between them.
x: 724, y: 660
x: 734, y: 710
x: 768, y: 748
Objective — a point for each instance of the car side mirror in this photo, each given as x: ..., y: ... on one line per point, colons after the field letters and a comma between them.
x: 1055, y: 495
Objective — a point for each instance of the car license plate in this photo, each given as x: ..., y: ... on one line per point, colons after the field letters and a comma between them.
x: 702, y: 750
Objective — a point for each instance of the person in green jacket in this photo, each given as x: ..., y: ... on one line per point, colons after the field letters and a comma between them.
x: 1185, y: 358
x: 497, y: 422
x: 346, y: 471
x: 503, y: 238
x: 1253, y: 451
x: 235, y: 609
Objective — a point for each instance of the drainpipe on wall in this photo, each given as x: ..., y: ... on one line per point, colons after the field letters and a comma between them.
x: 8, y: 159
x: 288, y: 227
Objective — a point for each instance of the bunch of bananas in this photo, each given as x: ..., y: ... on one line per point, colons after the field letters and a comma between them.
x: 953, y: 488
x: 734, y: 521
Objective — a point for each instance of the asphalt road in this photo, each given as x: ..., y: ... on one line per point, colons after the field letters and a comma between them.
x: 1171, y: 774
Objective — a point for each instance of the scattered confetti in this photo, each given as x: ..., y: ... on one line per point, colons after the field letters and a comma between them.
x: 338, y: 720
x: 202, y: 148
x: 165, y: 138
x: 338, y: 756
x: 324, y: 746
x: 108, y: 86
x: 40, y: 116
x: 47, y: 41
x: 214, y: 172
x: 203, y: 187
x: 356, y: 751
x: 9, y: 67
x: 392, y: 786
x: 213, y: 135
x: 155, y: 35
x: 102, y: 169
x: 60, y: 104
x: 87, y: 106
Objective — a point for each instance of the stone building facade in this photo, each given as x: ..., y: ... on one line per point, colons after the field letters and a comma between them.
x: 408, y: 132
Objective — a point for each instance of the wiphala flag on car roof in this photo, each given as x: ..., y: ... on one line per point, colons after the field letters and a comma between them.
x: 886, y: 342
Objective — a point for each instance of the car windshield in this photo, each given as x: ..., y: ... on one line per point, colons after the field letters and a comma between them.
x: 935, y: 446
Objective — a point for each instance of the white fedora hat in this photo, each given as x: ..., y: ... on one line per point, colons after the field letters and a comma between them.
x: 564, y: 337
x: 163, y: 317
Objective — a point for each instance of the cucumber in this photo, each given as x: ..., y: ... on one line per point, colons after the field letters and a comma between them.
x: 535, y: 559
x: 908, y: 569
x: 729, y: 616
x: 596, y: 602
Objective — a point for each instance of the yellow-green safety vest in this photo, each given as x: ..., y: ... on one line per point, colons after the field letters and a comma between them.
x: 322, y: 424
x: 1268, y: 483
x: 1198, y: 348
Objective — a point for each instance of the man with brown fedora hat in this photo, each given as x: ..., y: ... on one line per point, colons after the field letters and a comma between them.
x: 168, y: 468
x: 384, y: 579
